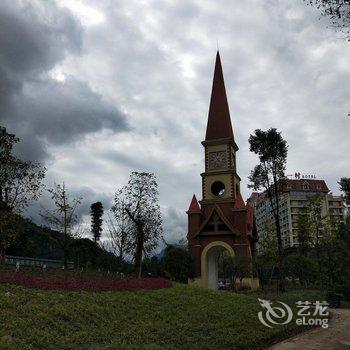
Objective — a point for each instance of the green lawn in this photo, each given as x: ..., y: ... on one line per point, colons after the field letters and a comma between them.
x: 181, y: 317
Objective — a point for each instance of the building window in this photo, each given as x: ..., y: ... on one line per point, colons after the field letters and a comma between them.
x: 306, y: 185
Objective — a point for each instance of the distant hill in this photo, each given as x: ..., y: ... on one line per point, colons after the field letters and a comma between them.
x: 43, y: 243
x: 36, y: 242
x: 160, y: 255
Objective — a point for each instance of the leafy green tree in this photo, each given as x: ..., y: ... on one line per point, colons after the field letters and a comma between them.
x: 343, y: 258
x: 63, y: 217
x: 269, y: 175
x: 140, y: 198
x: 178, y: 263
x: 244, y: 268
x: 227, y: 268
x: 9, y: 231
x: 330, y: 252
x: 317, y: 221
x: 323, y: 241
x: 304, y: 232
x: 311, y: 228
x: 302, y: 268
x: 88, y: 254
x: 234, y: 268
x: 344, y: 184
x: 338, y: 11
x: 264, y: 264
x: 96, y: 220
x: 268, y: 242
x: 20, y: 183
x: 153, y: 266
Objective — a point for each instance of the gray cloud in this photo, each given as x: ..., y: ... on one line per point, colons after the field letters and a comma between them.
x: 35, y: 37
x: 283, y: 68
x: 175, y: 226
x: 64, y: 111
x: 87, y: 196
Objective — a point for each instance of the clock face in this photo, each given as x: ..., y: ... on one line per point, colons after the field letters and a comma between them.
x: 233, y: 160
x: 217, y: 160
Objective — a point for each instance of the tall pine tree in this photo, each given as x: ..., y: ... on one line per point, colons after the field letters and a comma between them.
x: 96, y: 220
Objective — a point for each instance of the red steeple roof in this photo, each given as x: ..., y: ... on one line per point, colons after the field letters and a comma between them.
x: 239, y: 202
x: 219, y: 121
x: 194, y: 206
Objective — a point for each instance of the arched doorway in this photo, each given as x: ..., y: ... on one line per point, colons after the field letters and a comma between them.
x: 209, y: 262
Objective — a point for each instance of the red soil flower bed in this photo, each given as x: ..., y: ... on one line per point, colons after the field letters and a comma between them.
x: 89, y: 284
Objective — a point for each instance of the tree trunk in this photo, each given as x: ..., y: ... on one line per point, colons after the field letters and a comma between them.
x: 138, y: 252
x: 65, y: 257
x: 276, y: 216
x: 317, y: 246
x: 2, y: 254
x: 280, y: 284
x: 261, y: 281
x: 122, y: 243
x: 65, y: 228
x: 2, y: 238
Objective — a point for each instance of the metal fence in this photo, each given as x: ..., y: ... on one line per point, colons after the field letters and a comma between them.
x: 34, y: 262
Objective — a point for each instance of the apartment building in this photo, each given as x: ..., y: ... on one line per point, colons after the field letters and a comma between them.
x: 292, y: 202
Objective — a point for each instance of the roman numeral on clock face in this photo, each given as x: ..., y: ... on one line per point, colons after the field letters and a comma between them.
x: 217, y: 160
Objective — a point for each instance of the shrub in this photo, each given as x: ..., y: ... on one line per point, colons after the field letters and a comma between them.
x: 178, y: 263
x: 90, y: 284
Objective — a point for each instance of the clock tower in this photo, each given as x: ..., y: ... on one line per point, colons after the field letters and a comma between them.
x: 220, y: 220
x: 220, y: 180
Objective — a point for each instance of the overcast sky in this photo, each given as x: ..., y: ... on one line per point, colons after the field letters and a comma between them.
x: 97, y: 89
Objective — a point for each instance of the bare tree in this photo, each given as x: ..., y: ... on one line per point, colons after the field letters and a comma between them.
x: 138, y: 201
x: 63, y: 217
x: 119, y: 231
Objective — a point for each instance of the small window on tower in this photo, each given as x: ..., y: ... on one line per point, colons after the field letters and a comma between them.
x: 218, y: 188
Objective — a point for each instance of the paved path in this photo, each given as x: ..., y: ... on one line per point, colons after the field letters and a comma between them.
x: 335, y: 337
